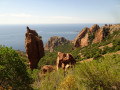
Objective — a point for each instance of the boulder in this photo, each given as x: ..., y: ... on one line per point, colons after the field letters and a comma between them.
x: 34, y: 47
x: 55, y: 41
x: 65, y: 60
x: 47, y: 69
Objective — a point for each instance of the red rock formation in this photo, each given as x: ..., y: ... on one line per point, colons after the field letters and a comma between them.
x: 65, y: 60
x: 94, y: 35
x: 94, y: 28
x: 55, y: 41
x: 101, y: 33
x: 115, y: 27
x: 83, y: 37
x: 47, y: 69
x: 34, y: 47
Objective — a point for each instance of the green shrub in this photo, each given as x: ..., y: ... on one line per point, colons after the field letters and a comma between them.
x: 100, y: 75
x: 76, y: 53
x: 65, y: 48
x: 13, y: 71
x: 69, y: 83
x: 48, y: 59
x: 51, y: 81
x: 107, y: 49
x: 90, y: 52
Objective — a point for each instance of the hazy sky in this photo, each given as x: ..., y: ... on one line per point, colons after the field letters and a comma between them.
x: 59, y: 11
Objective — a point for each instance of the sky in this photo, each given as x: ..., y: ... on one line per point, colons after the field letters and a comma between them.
x: 59, y: 11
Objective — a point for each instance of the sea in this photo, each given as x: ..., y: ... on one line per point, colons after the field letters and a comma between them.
x: 14, y: 35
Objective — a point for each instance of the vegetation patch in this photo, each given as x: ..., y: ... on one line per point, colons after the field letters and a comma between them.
x: 13, y: 70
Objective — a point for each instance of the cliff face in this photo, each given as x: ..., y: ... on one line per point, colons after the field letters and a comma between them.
x: 101, y: 33
x: 34, y: 47
x: 94, y: 34
x: 85, y: 36
x: 55, y: 41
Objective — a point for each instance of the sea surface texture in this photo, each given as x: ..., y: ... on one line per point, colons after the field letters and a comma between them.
x: 14, y: 35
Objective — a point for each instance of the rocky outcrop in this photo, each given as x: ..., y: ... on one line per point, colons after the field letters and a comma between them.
x: 101, y: 33
x: 94, y: 34
x: 65, y: 60
x: 115, y: 27
x: 55, y: 41
x: 85, y: 36
x: 34, y: 47
x: 47, y: 69
x: 82, y: 38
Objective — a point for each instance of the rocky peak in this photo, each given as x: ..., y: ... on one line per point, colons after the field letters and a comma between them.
x: 94, y: 28
x: 101, y: 33
x: 82, y: 38
x: 34, y: 47
x: 55, y: 41
x: 94, y: 34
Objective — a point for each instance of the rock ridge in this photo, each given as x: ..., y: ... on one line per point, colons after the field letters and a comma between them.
x: 55, y: 41
x: 94, y: 34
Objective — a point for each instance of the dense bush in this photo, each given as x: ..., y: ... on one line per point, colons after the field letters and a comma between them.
x: 50, y: 82
x: 69, y: 83
x: 65, y: 48
x: 110, y: 38
x: 116, y: 44
x: 76, y: 53
x: 13, y: 71
x: 90, y: 52
x: 103, y: 74
x: 48, y: 59
x: 114, y: 48
x: 51, y: 57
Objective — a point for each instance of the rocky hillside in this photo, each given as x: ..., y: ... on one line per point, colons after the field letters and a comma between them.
x: 98, y: 47
x: 63, y: 69
x: 55, y: 41
x: 94, y: 34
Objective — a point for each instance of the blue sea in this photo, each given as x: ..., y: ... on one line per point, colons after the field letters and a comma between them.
x: 14, y: 35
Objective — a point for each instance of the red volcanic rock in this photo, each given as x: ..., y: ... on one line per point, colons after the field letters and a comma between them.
x: 101, y: 34
x: 34, y: 47
x: 65, y: 60
x: 95, y: 34
x: 94, y: 28
x: 55, y: 41
x: 47, y: 69
x: 115, y: 27
x: 83, y: 37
